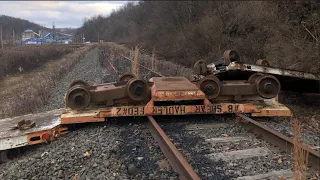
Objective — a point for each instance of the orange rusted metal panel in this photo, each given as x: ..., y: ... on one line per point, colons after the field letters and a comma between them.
x: 71, y: 117
x: 175, y: 88
x: 271, y: 108
x: 275, y: 109
x: 45, y: 136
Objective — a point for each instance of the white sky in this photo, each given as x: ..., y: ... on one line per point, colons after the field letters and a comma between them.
x: 62, y: 13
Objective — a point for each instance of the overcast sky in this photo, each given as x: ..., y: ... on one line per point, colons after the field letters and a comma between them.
x: 62, y: 13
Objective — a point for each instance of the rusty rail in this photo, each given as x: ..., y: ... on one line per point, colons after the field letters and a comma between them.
x: 283, y: 142
x: 176, y: 160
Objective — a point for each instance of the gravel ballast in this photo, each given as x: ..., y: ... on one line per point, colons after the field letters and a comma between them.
x: 197, y: 148
x: 122, y: 150
x: 87, y: 69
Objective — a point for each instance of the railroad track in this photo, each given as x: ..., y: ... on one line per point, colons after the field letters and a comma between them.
x: 225, y: 150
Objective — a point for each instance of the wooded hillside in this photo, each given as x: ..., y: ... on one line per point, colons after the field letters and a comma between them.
x: 286, y: 33
x: 18, y: 25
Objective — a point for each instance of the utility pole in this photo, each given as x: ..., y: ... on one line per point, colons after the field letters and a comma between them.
x: 1, y: 38
x: 53, y: 31
x: 13, y: 40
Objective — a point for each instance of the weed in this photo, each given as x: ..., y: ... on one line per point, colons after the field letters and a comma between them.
x: 300, y: 156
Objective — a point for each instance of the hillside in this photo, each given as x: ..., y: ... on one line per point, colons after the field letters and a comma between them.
x: 286, y: 33
x: 18, y: 25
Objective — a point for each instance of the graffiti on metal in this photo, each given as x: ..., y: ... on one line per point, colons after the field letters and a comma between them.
x: 232, y: 108
x: 130, y: 111
x: 176, y: 110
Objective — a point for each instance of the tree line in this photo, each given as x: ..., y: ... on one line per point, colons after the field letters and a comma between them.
x: 286, y: 33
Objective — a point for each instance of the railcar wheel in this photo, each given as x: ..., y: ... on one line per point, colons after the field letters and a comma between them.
x: 254, y: 77
x: 79, y: 82
x: 230, y: 56
x: 137, y: 89
x: 126, y: 77
x: 200, y: 67
x: 268, y: 86
x: 210, y: 87
x: 78, y: 97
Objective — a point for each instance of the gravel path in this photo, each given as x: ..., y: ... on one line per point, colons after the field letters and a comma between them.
x: 87, y: 69
x: 91, y: 151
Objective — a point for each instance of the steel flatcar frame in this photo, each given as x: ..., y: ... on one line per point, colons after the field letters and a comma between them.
x: 164, y: 92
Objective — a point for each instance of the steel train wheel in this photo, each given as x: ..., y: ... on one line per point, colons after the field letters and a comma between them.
x: 126, y: 77
x: 268, y: 86
x: 230, y: 56
x: 137, y: 89
x: 200, y: 67
x: 78, y: 97
x: 254, y: 77
x: 79, y: 82
x: 210, y: 87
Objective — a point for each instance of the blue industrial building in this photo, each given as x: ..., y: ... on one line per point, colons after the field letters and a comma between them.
x: 31, y: 37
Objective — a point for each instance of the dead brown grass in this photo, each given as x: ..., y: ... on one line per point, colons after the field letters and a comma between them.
x: 25, y: 58
x: 163, y: 67
x: 300, y: 156
x: 26, y: 92
x: 136, y: 61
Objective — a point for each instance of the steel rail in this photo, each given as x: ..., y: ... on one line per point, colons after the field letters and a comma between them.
x: 176, y: 160
x: 112, y: 66
x: 283, y: 142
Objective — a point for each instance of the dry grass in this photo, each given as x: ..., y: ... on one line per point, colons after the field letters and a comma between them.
x: 166, y: 68
x: 26, y: 92
x: 300, y: 156
x: 136, y: 61
x: 25, y: 58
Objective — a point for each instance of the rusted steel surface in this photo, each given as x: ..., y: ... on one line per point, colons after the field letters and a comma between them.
x: 95, y: 114
x: 290, y: 80
x: 174, y: 88
x: 74, y: 117
x: 283, y: 142
x: 232, y: 69
x: 176, y: 160
x: 80, y: 96
x: 46, y: 128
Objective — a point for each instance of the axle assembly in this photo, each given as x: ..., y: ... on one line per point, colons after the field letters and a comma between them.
x: 128, y: 89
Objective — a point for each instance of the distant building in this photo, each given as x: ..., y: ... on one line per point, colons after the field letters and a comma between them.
x: 29, y: 34
x: 44, y: 36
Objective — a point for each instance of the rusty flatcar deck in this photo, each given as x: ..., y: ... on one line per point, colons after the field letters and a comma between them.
x: 176, y: 96
x: 169, y: 96
x: 254, y: 108
x: 47, y: 127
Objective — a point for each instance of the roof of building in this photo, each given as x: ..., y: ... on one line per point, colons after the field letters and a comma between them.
x: 28, y: 31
